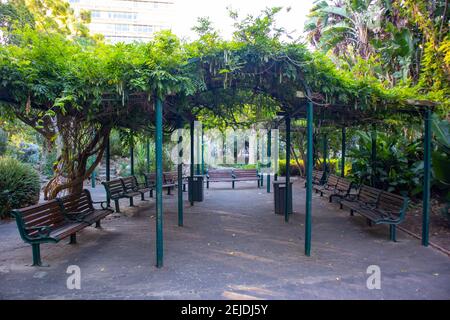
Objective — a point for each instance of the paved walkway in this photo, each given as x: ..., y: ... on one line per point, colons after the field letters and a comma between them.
x: 232, y: 247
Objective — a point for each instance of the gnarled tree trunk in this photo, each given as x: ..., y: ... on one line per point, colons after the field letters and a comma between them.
x: 80, y: 140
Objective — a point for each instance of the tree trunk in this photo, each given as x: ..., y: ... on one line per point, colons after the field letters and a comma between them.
x: 79, y: 141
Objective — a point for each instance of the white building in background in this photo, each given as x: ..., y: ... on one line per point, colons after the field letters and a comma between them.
x: 127, y: 20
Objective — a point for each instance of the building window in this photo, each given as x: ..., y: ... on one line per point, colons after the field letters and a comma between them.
x: 96, y: 14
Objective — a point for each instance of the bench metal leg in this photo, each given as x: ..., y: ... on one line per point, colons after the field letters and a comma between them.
x: 369, y: 222
x: 36, y: 255
x: 151, y: 193
x: 207, y: 184
x: 73, y: 238
x: 168, y: 190
x: 98, y: 224
x: 116, y: 204
x: 341, y: 206
x: 351, y: 212
x: 392, y: 232
x: 232, y: 184
x: 184, y: 187
x: 131, y: 202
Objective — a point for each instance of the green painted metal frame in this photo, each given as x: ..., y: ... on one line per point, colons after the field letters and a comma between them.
x: 426, y: 178
x: 309, y: 168
x: 108, y: 164
x: 190, y: 191
x: 180, y: 172
x: 203, y: 153
x: 343, y: 151
x: 288, y: 168
x: 269, y: 155
x: 159, y: 182
x: 198, y: 166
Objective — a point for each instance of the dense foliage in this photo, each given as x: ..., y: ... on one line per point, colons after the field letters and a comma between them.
x: 74, y: 89
x: 19, y: 185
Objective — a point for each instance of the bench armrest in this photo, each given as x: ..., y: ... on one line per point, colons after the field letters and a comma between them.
x: 77, y: 216
x: 351, y: 197
x: 43, y: 231
x: 103, y: 204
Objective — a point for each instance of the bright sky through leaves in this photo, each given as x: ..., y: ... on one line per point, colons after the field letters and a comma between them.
x: 187, y: 12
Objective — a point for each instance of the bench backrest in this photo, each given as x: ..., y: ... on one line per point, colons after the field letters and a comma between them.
x: 332, y: 180
x: 393, y: 203
x: 150, y: 179
x: 76, y: 202
x: 129, y: 183
x: 317, y: 175
x: 45, y: 214
x: 245, y: 173
x: 212, y: 174
x: 113, y: 188
x: 343, y: 184
x: 368, y: 194
x: 170, y: 177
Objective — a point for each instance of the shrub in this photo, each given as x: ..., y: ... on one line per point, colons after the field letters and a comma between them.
x: 19, y: 185
x: 295, y: 170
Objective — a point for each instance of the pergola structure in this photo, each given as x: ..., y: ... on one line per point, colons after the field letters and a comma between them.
x: 293, y: 105
x: 299, y: 85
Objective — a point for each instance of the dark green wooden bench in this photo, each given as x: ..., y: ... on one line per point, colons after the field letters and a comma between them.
x: 150, y: 182
x: 171, y: 177
x: 379, y: 207
x: 80, y: 207
x: 342, y: 189
x: 219, y: 176
x: 329, y: 184
x: 245, y: 175
x: 115, y: 191
x: 45, y: 223
x: 130, y: 184
x: 317, y: 177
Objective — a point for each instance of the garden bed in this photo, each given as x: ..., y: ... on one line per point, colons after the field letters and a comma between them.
x: 439, y: 224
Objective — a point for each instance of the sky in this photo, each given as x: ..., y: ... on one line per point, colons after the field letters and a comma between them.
x: 187, y: 12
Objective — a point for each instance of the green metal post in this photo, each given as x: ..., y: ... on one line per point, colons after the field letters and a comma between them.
x: 426, y: 178
x: 288, y: 169
x: 262, y: 164
x: 159, y: 183
x: 132, y: 154
x: 269, y: 155
x: 343, y: 152
x: 325, y: 154
x: 373, y: 157
x: 203, y: 154
x: 148, y: 155
x: 309, y: 168
x: 108, y: 166
x: 191, y: 196
x: 180, y: 172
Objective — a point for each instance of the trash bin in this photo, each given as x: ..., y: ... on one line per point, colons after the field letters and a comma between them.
x: 195, y: 184
x: 279, y: 192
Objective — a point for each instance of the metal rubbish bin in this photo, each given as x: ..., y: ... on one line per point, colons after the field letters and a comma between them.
x: 279, y: 192
x: 195, y: 184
